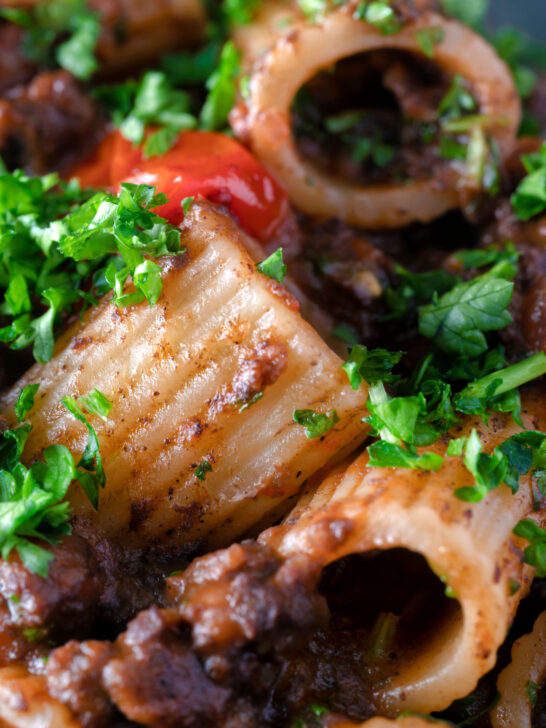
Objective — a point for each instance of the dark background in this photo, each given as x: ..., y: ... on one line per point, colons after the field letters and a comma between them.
x: 529, y: 15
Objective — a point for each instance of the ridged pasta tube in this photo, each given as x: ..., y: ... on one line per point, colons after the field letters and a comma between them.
x: 303, y: 49
x: 26, y: 703
x: 527, y: 669
x: 399, y: 518
x: 212, y: 373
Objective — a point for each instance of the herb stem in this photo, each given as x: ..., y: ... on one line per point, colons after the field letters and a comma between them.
x: 378, y: 395
x: 510, y: 378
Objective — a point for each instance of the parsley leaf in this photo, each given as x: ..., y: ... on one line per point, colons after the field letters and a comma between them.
x: 371, y: 365
x: 513, y: 458
x: 428, y: 39
x: 25, y: 401
x: 153, y: 101
x: 316, y: 424
x: 529, y: 198
x: 535, y: 553
x: 32, y: 505
x: 240, y: 12
x: 416, y: 289
x: 532, y: 691
x: 345, y: 333
x: 202, y: 469
x: 491, y: 255
x: 380, y: 15
x: 486, y: 393
x: 390, y: 455
x: 48, y: 23
x: 314, y: 10
x: 456, y: 321
x: 221, y: 87
x: 273, y: 267
x: 457, y: 101
x: 90, y: 471
x: 96, y: 403
x: 106, y: 225
x: 77, y: 53
x: 470, y: 12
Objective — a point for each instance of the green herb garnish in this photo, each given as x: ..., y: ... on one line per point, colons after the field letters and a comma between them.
x: 316, y: 424
x: 535, y: 553
x: 202, y: 469
x: 273, y: 267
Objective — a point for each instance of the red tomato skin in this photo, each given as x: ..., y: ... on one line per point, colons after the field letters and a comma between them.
x: 209, y: 164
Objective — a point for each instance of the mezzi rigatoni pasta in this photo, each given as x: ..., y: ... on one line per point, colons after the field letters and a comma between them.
x: 410, y: 522
x: 297, y: 50
x: 519, y: 683
x: 211, y: 374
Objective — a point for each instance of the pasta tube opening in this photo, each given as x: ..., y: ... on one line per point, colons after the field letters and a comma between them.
x: 304, y: 50
x: 396, y: 520
x: 406, y: 608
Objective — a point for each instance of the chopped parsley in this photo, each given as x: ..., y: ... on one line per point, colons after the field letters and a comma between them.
x: 273, y: 267
x: 25, y: 401
x: 314, y: 10
x: 379, y: 14
x: 311, y: 717
x: 61, y: 32
x: 457, y: 101
x: 316, y: 424
x: 371, y: 365
x: 345, y: 333
x: 240, y: 12
x: 202, y: 469
x: 529, y: 198
x: 186, y: 203
x: 222, y: 88
x: 57, y: 242
x: 469, y: 12
x: 535, y: 553
x: 153, y: 101
x: 458, y: 320
x: 32, y: 505
x: 428, y: 39
x: 97, y: 404
x: 90, y: 472
x: 532, y: 691
x: 460, y: 374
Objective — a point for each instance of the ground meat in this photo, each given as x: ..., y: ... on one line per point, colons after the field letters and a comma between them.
x: 74, y: 676
x: 15, y: 67
x: 61, y: 605
x: 48, y: 124
x: 157, y: 680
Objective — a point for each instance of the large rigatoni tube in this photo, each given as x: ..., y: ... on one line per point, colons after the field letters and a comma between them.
x: 213, y: 372
x: 381, y: 527
x: 303, y: 49
x: 522, y: 679
x: 26, y: 703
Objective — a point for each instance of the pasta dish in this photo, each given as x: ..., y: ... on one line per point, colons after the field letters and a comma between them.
x: 272, y: 360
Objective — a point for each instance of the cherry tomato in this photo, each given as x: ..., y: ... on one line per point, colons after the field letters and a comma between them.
x: 209, y: 164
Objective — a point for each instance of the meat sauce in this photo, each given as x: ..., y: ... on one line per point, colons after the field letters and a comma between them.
x: 241, y: 638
